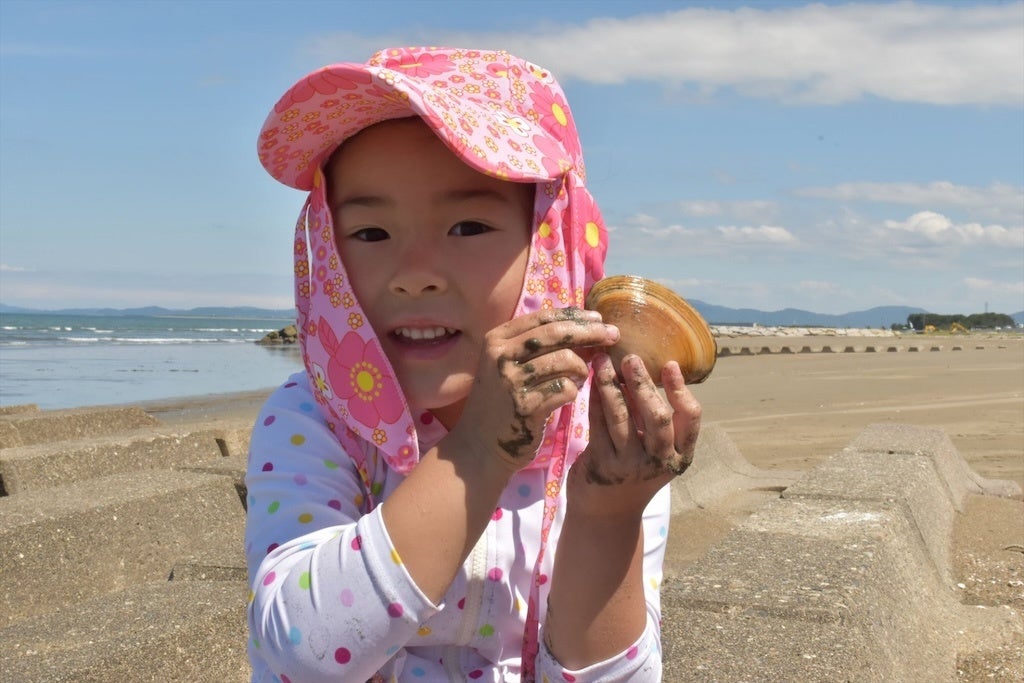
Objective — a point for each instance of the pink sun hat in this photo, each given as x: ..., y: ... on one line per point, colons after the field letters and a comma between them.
x: 502, y: 115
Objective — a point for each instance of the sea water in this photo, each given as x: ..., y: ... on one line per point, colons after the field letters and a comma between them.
x: 64, y: 361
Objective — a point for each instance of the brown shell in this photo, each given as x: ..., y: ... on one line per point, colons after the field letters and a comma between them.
x: 656, y: 324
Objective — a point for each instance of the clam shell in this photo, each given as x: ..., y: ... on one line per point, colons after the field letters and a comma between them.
x: 656, y: 324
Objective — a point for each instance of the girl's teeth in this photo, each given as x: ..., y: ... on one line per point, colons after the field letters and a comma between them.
x: 422, y: 332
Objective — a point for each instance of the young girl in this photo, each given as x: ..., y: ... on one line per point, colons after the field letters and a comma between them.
x: 458, y: 487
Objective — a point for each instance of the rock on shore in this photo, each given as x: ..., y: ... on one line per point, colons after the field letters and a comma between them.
x: 286, y: 335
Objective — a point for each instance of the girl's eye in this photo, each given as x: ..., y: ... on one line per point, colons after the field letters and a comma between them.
x: 468, y: 228
x: 370, y: 235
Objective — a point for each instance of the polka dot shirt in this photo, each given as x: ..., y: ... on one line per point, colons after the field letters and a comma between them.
x: 330, y: 599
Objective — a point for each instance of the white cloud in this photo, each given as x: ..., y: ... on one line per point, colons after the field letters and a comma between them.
x: 938, y: 229
x: 951, y: 54
x: 5, y: 268
x: 744, y: 209
x: 1001, y: 196
x: 984, y: 285
x: 764, y: 234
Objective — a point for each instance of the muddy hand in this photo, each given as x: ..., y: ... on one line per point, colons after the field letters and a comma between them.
x: 639, y: 440
x: 528, y: 368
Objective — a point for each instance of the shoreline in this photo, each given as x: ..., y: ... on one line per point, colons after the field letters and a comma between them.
x: 788, y: 407
x: 792, y: 410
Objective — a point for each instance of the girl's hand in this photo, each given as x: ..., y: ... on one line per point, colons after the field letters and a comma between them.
x: 528, y: 368
x: 639, y: 441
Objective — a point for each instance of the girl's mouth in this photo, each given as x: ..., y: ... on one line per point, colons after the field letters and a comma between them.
x: 424, y: 335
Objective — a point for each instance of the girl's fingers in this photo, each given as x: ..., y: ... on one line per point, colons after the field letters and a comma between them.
x: 532, y: 336
x: 686, y: 415
x: 561, y: 363
x: 613, y: 405
x: 525, y: 323
x: 653, y: 416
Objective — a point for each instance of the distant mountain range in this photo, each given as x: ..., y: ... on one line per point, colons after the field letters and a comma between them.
x: 881, y: 316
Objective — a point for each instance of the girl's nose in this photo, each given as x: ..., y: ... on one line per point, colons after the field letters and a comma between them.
x: 417, y: 271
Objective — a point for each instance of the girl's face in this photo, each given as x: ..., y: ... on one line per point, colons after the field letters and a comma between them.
x: 435, y: 251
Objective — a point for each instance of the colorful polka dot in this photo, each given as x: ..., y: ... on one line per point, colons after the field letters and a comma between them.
x: 330, y: 464
x: 269, y: 420
x: 495, y: 574
x: 348, y: 598
x: 305, y: 518
x: 542, y: 579
x: 342, y: 655
x: 300, y: 479
x: 418, y: 672
x: 294, y: 635
x: 486, y: 630
x: 632, y: 652
x: 462, y: 603
x: 268, y: 467
x: 269, y: 578
x: 289, y: 385
x: 475, y: 673
x: 273, y: 507
x: 523, y: 490
x: 304, y: 580
x: 285, y: 679
x: 297, y: 439
x: 423, y: 631
x: 357, y: 543
x: 272, y: 547
x: 395, y: 557
x: 334, y: 504
x: 395, y: 610
x: 306, y: 407
x: 568, y: 676
x: 497, y: 514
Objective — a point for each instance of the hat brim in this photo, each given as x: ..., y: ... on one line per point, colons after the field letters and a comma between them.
x: 335, y: 102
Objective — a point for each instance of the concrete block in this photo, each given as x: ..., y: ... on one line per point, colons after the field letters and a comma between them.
x: 45, y: 465
x: 64, y: 545
x: 60, y: 425
x: 935, y: 444
x: 164, y: 631
x: 9, y: 436
x: 718, y: 470
x: 910, y: 482
x: 817, y: 590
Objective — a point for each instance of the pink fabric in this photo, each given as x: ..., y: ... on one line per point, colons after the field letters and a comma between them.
x: 501, y: 115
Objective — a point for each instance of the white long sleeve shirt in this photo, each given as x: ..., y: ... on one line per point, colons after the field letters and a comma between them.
x: 331, y: 601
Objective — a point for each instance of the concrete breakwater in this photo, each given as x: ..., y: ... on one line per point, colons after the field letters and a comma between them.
x: 121, y: 557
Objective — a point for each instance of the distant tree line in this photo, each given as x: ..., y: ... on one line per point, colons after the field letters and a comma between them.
x: 918, y: 321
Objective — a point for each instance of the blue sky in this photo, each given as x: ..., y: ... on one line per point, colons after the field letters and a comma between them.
x: 832, y: 157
